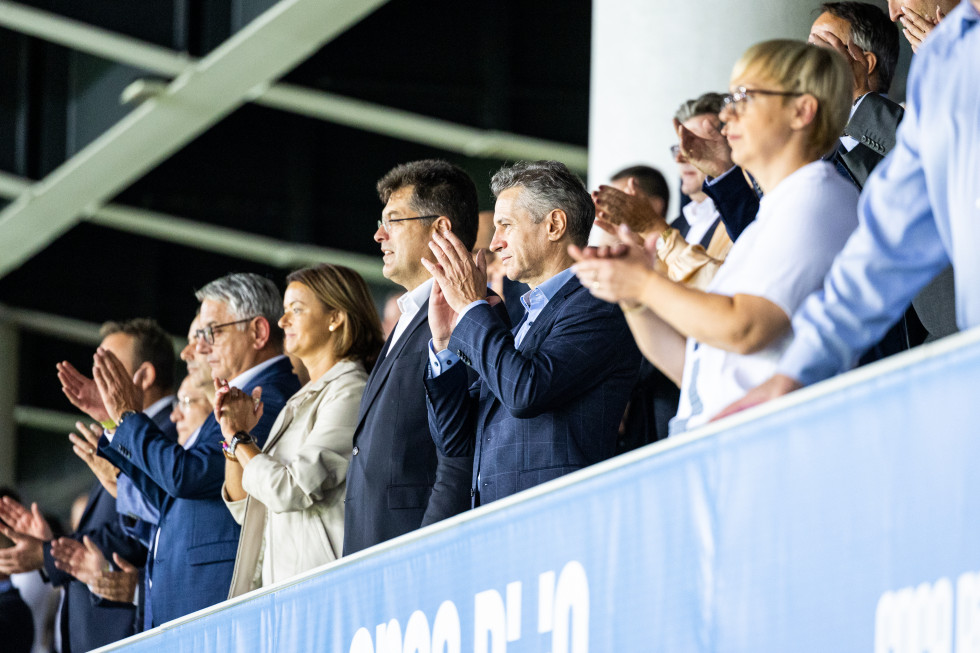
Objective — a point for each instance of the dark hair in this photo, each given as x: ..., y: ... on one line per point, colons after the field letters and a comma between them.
x: 649, y: 180
x: 151, y: 344
x: 549, y: 185
x: 872, y: 31
x: 438, y: 188
x: 340, y: 288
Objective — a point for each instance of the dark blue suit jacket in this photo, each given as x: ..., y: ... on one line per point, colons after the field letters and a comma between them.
x: 544, y: 410
x: 195, y: 555
x: 88, y: 621
x: 397, y: 481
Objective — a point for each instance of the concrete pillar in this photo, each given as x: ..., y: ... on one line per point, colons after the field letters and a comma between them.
x: 9, y: 345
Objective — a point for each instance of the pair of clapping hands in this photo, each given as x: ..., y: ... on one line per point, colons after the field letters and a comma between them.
x: 29, y: 530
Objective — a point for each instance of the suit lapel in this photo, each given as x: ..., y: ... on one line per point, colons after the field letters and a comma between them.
x: 383, y: 367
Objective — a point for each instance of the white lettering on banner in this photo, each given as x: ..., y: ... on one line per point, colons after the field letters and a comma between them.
x: 920, y: 619
x: 563, y: 610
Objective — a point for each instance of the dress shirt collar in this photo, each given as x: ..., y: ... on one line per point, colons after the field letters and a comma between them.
x: 535, y: 300
x: 699, y: 216
x: 245, y: 377
x: 193, y: 438
x: 410, y: 303
x: 159, y: 406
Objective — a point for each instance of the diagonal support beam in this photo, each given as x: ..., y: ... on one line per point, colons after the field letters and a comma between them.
x: 221, y: 240
x: 236, y: 71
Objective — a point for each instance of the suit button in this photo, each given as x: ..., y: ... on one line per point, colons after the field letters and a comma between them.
x: 355, y: 451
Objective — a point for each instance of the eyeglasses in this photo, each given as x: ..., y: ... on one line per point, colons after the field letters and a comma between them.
x: 208, y: 332
x: 736, y: 101
x: 386, y: 223
x: 675, y: 150
x: 184, y: 403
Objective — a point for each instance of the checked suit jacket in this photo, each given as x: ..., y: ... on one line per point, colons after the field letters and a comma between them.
x: 191, y: 566
x: 541, y: 410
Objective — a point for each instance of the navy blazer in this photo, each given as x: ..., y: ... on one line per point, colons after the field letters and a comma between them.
x: 195, y: 554
x: 541, y: 411
x: 88, y: 621
x: 397, y: 480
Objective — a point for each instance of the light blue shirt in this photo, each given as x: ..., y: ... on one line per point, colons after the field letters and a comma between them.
x: 919, y: 211
x: 534, y: 302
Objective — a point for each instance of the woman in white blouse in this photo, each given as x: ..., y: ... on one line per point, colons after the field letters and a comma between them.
x: 289, y: 497
x: 788, y: 106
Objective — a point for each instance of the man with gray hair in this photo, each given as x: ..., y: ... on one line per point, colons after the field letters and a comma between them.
x: 551, y: 392
x: 193, y: 552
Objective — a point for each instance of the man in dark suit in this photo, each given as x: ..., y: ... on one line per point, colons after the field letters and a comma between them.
x: 16, y: 622
x: 193, y: 552
x: 145, y: 351
x: 551, y: 393
x: 397, y: 480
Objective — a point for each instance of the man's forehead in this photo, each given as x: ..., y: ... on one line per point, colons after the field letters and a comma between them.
x: 212, y: 310
x: 398, y: 201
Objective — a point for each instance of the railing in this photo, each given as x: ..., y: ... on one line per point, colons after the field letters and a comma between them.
x: 841, y: 518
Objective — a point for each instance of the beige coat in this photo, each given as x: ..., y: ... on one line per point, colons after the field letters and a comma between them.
x: 293, y: 517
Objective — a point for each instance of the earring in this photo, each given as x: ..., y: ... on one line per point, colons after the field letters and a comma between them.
x: 333, y: 327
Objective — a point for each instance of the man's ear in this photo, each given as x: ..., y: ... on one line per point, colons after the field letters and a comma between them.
x: 149, y: 376
x: 805, y: 111
x: 442, y: 223
x: 556, y: 224
x: 261, y: 331
x: 871, y: 61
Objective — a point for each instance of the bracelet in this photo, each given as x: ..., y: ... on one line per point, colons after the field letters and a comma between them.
x: 108, y: 424
x: 226, y: 450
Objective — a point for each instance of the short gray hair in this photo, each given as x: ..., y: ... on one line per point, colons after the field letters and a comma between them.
x: 549, y: 185
x: 247, y: 295
x: 707, y: 103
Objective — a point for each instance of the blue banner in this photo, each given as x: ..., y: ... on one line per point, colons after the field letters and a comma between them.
x: 846, y: 520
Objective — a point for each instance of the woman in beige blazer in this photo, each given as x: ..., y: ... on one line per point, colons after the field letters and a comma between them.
x: 289, y: 496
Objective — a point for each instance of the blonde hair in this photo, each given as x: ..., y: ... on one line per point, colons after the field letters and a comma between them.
x: 798, y: 67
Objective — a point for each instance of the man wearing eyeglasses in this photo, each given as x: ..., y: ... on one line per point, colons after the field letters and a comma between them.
x: 193, y: 551
x: 397, y: 480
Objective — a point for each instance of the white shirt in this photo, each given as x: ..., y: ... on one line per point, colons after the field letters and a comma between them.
x: 409, y: 304
x: 700, y: 216
x: 782, y: 256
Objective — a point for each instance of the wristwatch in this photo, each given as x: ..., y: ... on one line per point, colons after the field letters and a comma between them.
x: 126, y: 415
x: 242, y: 437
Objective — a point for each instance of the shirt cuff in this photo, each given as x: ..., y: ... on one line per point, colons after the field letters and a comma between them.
x: 108, y: 434
x: 442, y: 361
x: 711, y: 181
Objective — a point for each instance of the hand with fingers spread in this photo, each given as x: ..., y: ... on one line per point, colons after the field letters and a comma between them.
x: 616, y: 274
x: 23, y: 521
x: 85, y: 444
x: 461, y: 276
x: 917, y: 26
x: 81, y: 391
x: 708, y: 151
x: 628, y: 208
x: 235, y: 410
x: 857, y: 59
x: 27, y: 553
x: 120, y: 393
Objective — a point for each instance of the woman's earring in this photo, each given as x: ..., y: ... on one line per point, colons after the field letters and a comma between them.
x: 333, y: 327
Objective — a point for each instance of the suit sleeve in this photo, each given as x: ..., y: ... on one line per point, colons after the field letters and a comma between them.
x: 735, y: 200
x: 195, y: 473
x: 575, y: 355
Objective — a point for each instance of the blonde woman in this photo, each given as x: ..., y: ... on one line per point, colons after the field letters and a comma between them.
x: 289, y: 496
x: 787, y: 106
